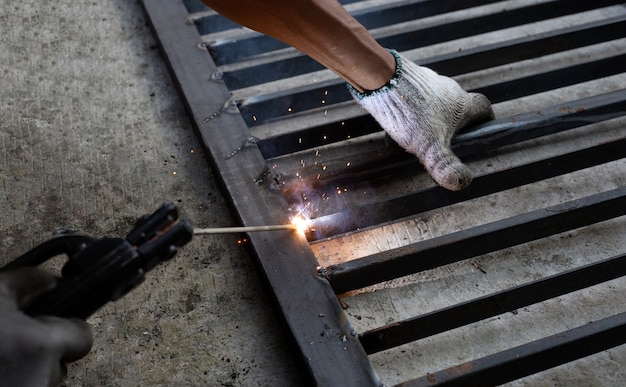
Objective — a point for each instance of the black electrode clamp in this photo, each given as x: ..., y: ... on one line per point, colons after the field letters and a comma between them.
x: 99, y: 270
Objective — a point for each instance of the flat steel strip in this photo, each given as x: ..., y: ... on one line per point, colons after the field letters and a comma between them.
x: 269, y: 107
x: 455, y: 316
x: 334, y: 91
x: 393, y: 162
x: 318, y: 324
x: 531, y: 358
x: 300, y: 64
x: 230, y: 51
x: 383, y: 211
x: 330, y: 349
x: 464, y: 244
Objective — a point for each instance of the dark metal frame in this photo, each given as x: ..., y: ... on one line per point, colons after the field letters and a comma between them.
x: 304, y: 293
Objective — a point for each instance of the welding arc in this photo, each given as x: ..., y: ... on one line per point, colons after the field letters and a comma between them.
x: 228, y: 230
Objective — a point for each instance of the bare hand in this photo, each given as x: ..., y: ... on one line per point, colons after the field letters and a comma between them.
x: 34, y: 350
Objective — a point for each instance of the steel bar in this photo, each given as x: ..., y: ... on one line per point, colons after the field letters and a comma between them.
x: 299, y: 64
x: 475, y: 140
x: 360, y: 217
x: 313, y: 315
x: 465, y: 313
x: 214, y: 23
x: 549, y: 80
x: 531, y: 358
x: 194, y: 6
x: 394, y: 13
x: 492, y: 22
x: 475, y: 241
x: 528, y: 47
x: 217, y: 23
x: 272, y: 106
x: 230, y: 51
x: 305, y: 297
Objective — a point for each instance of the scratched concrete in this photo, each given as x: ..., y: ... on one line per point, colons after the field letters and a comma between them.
x: 92, y: 136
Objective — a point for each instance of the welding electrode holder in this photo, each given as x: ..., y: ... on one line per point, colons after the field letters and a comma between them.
x: 99, y: 270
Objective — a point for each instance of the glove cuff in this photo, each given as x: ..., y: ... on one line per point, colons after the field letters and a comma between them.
x: 392, y: 84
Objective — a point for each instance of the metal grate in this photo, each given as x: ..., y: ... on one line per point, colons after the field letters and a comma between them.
x: 284, y: 136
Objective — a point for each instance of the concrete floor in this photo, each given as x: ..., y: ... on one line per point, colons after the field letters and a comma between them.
x: 93, y: 135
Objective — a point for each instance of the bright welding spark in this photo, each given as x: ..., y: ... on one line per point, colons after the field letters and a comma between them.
x: 302, y: 223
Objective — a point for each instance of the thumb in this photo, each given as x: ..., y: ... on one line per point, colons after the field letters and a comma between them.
x: 72, y: 338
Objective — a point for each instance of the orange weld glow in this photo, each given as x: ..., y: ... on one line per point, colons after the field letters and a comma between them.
x: 302, y: 223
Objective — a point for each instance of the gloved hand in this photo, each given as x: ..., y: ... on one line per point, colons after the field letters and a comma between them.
x: 34, y: 351
x: 421, y: 111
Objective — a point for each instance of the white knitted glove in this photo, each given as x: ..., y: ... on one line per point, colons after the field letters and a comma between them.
x: 421, y: 111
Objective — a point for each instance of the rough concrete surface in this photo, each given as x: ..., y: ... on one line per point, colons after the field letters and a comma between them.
x: 94, y: 135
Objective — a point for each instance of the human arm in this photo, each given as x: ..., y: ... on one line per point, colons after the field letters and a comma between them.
x: 419, y: 109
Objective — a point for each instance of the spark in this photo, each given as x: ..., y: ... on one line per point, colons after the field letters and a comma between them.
x: 301, y: 222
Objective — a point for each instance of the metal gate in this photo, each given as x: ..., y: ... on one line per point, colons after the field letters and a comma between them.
x: 284, y: 137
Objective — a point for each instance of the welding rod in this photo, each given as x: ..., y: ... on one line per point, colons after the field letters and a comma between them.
x: 227, y: 230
